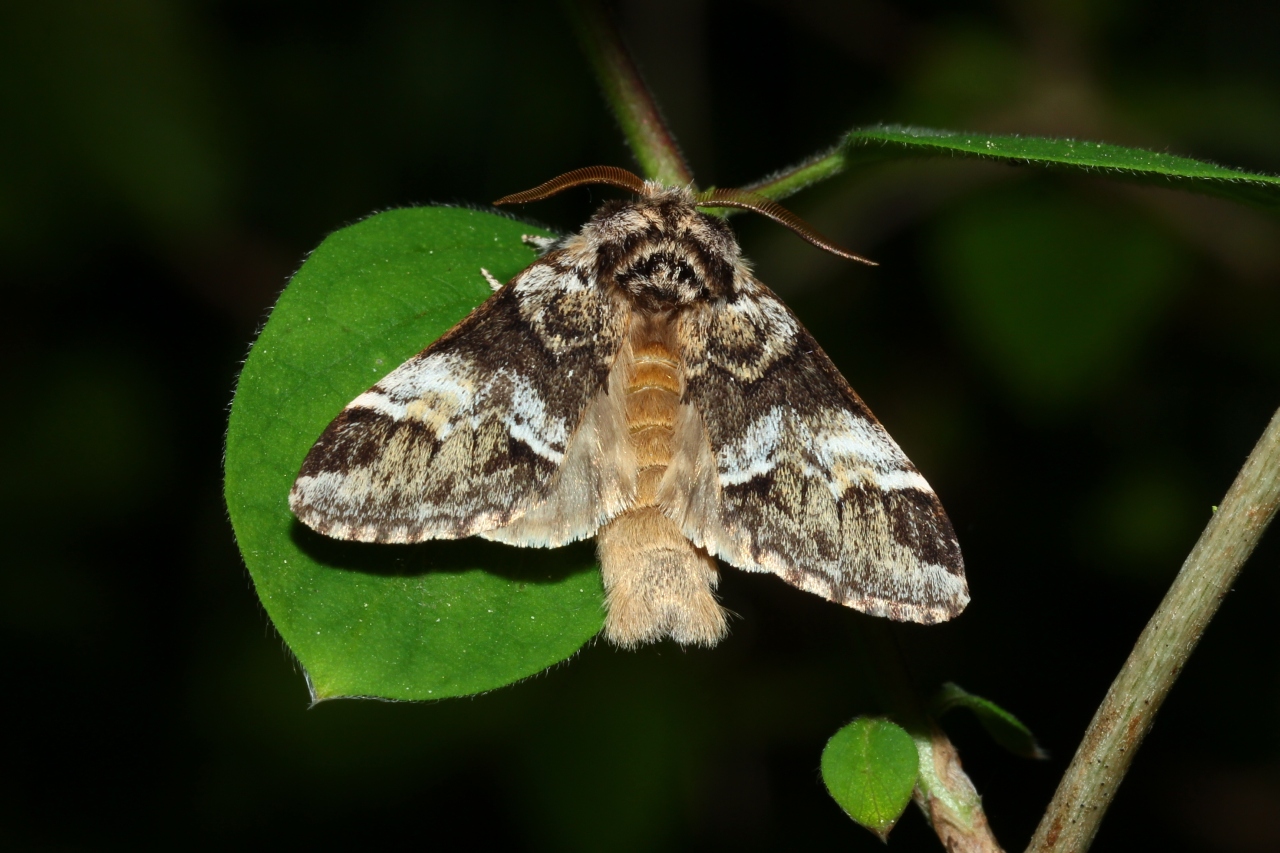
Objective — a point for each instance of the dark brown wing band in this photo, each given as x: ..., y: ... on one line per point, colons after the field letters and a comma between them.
x: 770, y: 208
x: 611, y: 175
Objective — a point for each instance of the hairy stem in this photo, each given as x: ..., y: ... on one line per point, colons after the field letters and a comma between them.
x: 629, y: 98
x: 1125, y: 716
x: 790, y: 181
x: 943, y: 791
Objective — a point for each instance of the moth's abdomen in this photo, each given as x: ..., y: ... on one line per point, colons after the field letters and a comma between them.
x: 653, y: 393
x: 657, y: 583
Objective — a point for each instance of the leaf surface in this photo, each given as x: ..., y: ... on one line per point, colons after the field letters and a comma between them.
x: 1004, y: 728
x: 870, y: 768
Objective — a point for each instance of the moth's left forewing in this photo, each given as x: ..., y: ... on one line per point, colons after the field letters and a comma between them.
x: 486, y: 432
x: 786, y: 470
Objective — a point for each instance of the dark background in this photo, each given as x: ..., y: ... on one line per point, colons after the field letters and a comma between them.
x: 1079, y: 368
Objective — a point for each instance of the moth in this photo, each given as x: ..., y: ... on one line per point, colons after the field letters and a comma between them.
x: 637, y: 384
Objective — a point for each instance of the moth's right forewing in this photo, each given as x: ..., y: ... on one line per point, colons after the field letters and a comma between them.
x: 468, y: 436
x: 785, y: 470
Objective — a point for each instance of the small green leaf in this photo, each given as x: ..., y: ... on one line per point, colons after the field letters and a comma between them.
x: 870, y: 768
x: 403, y: 622
x: 1006, y: 729
x: 894, y: 142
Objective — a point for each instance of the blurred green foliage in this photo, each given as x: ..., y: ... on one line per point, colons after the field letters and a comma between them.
x: 1055, y: 293
x: 1078, y: 367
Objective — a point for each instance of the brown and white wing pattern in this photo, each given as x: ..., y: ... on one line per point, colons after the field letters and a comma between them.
x: 488, y: 431
x: 784, y: 469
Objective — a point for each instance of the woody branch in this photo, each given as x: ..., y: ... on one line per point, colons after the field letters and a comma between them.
x: 1126, y: 714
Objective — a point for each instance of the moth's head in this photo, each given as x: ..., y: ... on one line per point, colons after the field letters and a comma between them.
x: 662, y: 250
x: 653, y: 196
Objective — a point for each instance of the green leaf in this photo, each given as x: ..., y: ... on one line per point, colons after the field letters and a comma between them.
x: 893, y: 142
x: 1006, y: 729
x: 870, y: 768
x: 405, y: 622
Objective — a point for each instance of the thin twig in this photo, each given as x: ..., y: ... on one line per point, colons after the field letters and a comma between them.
x: 791, y: 180
x: 943, y: 791
x: 1125, y: 716
x: 632, y: 103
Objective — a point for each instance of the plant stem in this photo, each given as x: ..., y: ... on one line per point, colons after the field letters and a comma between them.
x: 1125, y: 716
x: 629, y: 98
x: 781, y: 184
x: 943, y: 791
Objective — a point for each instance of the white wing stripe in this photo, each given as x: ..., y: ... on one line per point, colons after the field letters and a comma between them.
x: 895, y: 480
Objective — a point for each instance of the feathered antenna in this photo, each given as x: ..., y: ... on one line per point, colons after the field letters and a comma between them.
x: 611, y: 175
x: 770, y: 208
x: 617, y: 177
